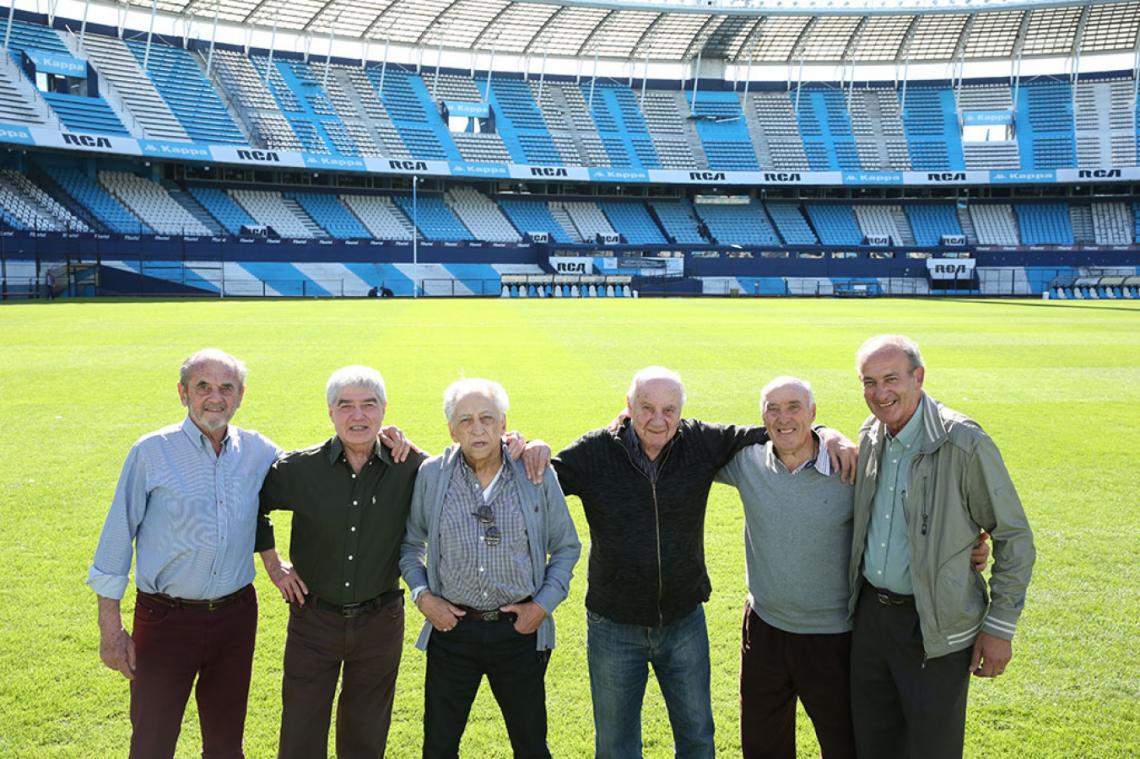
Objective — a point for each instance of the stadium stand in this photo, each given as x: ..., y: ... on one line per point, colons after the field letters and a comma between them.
x: 930, y: 117
x: 884, y: 221
x: 825, y: 126
x: 521, y: 125
x: 1045, y: 125
x: 151, y: 203
x: 587, y: 218
x: 187, y: 93
x: 1044, y: 224
x: 381, y: 216
x: 664, y: 117
x: 632, y: 221
x: 330, y: 213
x: 1112, y: 224
x: 435, y: 219
x: 835, y: 224
x: 412, y: 113
x: 480, y: 215
x: 678, y: 221
x: 30, y: 207
x: 20, y: 102
x: 772, y: 123
x: 222, y: 207
x: 994, y: 224
x: 723, y: 131
x: 123, y: 75
x: 529, y: 215
x: 791, y: 224
x: 91, y: 195
x: 929, y: 222
x: 876, y: 122
x: 738, y: 224
x: 283, y: 215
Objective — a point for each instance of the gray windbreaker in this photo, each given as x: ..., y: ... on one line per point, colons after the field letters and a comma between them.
x: 957, y: 485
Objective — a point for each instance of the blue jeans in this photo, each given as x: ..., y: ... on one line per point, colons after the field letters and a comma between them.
x: 619, y: 656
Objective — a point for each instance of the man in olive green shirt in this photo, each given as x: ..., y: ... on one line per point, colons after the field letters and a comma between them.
x: 350, y: 500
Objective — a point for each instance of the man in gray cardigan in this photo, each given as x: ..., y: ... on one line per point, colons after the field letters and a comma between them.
x: 796, y: 636
x: 499, y: 551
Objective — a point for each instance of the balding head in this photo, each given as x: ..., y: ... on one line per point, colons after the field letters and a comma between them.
x: 655, y: 399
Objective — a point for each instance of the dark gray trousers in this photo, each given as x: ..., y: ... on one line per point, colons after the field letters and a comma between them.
x: 904, y: 705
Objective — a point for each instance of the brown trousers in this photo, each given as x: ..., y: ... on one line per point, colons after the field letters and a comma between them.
x: 173, y: 646
x: 318, y: 644
x: 777, y: 666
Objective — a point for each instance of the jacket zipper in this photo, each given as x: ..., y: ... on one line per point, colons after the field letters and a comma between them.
x: 656, y: 525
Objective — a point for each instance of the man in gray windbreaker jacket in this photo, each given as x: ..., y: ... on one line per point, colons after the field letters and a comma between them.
x: 929, y: 478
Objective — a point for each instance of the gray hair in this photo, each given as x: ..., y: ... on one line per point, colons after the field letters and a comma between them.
x: 462, y: 388
x: 211, y: 356
x: 784, y: 381
x: 651, y: 373
x: 878, y: 342
x: 355, y: 376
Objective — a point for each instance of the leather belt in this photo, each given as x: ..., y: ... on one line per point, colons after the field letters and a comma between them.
x: 890, y: 598
x: 357, y: 608
x: 489, y: 615
x: 207, y: 604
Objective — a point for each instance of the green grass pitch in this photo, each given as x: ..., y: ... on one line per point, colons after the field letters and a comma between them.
x: 1056, y: 384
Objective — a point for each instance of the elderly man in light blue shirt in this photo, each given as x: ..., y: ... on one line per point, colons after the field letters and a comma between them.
x: 186, y: 504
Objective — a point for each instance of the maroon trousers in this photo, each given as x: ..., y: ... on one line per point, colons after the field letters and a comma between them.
x: 777, y: 666
x: 173, y: 646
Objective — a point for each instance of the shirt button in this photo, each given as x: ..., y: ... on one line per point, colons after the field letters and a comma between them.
x: 888, y: 517
x: 350, y: 557
x: 354, y: 503
x: 354, y: 475
x: 346, y: 584
x: 894, y: 461
x: 353, y: 528
x: 878, y: 573
x: 884, y: 545
x: 480, y: 569
x: 892, y: 488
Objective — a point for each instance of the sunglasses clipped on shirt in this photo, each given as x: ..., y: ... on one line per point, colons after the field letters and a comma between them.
x: 486, y: 517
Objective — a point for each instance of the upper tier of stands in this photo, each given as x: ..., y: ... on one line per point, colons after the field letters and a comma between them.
x: 287, y: 103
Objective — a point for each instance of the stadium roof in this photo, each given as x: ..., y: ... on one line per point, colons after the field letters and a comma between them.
x: 766, y: 31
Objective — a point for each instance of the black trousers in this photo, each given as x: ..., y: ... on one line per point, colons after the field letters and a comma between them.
x: 776, y: 666
x: 456, y: 663
x: 903, y: 704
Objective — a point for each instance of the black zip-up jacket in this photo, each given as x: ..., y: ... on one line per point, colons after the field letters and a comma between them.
x: 647, y: 547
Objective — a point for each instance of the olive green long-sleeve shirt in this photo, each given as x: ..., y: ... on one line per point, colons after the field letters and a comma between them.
x: 347, y: 527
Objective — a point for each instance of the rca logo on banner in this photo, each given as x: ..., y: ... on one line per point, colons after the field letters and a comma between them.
x: 86, y: 140
x: 951, y: 268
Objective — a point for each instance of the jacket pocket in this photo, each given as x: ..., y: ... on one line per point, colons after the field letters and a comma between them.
x: 959, y: 594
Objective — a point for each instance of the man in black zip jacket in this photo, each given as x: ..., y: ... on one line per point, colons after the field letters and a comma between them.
x: 644, y: 488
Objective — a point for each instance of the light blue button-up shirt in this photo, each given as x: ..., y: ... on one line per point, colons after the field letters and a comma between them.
x: 886, y: 560
x: 189, y: 514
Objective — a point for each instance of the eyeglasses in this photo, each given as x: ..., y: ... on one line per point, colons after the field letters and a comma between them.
x: 491, y: 535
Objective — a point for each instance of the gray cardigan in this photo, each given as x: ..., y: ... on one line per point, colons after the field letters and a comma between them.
x: 549, y: 529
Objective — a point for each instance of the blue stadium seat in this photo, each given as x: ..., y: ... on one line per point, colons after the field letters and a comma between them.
x: 834, y: 223
x: 738, y: 224
x: 222, y: 207
x: 188, y: 93
x: 723, y: 131
x: 533, y: 216
x: 1044, y: 223
x: 632, y: 221
x: 791, y: 224
x: 101, y: 204
x: 433, y: 217
x: 930, y: 222
x: 328, y: 211
x: 679, y: 222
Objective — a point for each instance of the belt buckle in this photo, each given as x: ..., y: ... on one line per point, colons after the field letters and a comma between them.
x: 214, y: 603
x: 489, y: 616
x: 884, y: 599
x: 350, y: 611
